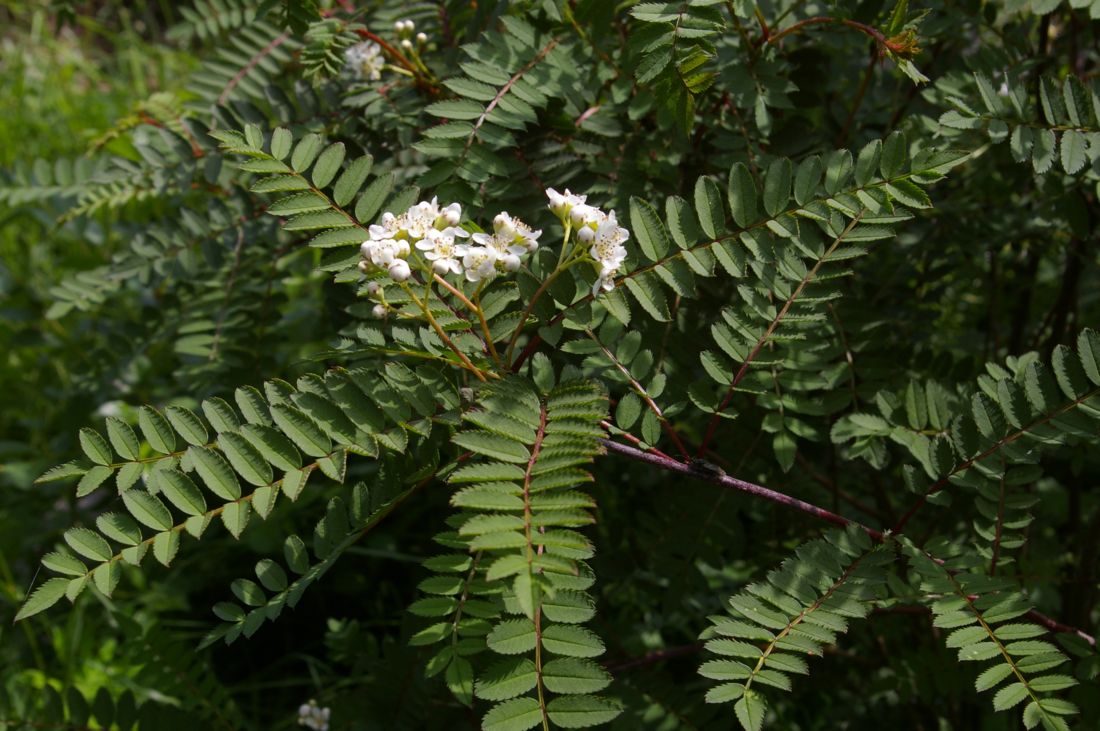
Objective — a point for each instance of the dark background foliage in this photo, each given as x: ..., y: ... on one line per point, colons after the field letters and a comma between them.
x: 131, y: 273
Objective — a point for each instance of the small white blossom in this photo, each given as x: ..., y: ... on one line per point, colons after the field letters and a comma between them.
x: 507, y: 225
x: 313, y: 716
x: 582, y: 214
x: 605, y: 282
x: 365, y: 61
x: 562, y: 203
x: 382, y: 253
x: 452, y: 214
x: 440, y: 249
x: 605, y: 237
x: 421, y: 218
x: 480, y: 263
x: 607, y: 247
x: 389, y: 228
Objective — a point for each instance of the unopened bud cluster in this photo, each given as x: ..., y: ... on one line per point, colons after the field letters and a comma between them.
x: 599, y: 231
x: 313, y: 716
x: 431, y: 234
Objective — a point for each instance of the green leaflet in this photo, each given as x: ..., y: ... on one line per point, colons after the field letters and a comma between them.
x: 987, y: 632
x: 525, y: 566
x: 794, y: 611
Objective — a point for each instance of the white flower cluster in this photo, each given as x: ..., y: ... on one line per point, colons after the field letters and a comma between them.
x: 365, y: 61
x: 433, y: 234
x: 313, y: 716
x: 600, y: 231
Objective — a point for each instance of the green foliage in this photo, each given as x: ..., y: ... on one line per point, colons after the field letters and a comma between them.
x: 803, y: 606
x: 288, y: 267
x: 1063, y: 127
x: 983, y: 629
x: 518, y: 584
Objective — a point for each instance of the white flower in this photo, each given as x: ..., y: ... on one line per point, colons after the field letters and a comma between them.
x: 506, y: 225
x: 605, y: 282
x: 441, y: 250
x: 561, y: 203
x: 389, y: 228
x: 582, y: 214
x: 365, y: 60
x: 607, y: 245
x: 421, y: 218
x: 313, y: 716
x: 480, y: 263
x: 606, y: 238
x: 383, y: 253
x: 452, y: 214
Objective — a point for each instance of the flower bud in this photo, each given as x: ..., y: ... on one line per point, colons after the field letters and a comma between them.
x: 399, y: 27
x: 364, y: 266
x: 578, y: 213
x: 407, y: 44
x: 586, y: 234
x: 373, y: 288
x: 557, y: 201
x: 422, y: 38
x: 379, y: 312
x: 366, y: 249
x: 510, y: 262
x: 440, y: 268
x: 410, y: 26
x: 399, y: 270
x: 452, y: 217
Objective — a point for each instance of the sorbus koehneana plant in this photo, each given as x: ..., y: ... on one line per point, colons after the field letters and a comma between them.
x: 562, y: 364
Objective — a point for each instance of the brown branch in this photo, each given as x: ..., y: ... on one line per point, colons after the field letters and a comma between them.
x: 239, y: 76
x: 737, y: 484
x: 504, y: 90
x: 656, y: 656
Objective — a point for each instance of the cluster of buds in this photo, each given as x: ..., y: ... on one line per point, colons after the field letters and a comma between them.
x: 597, y: 230
x: 404, y: 30
x: 432, y: 234
x: 313, y: 716
x: 365, y: 61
